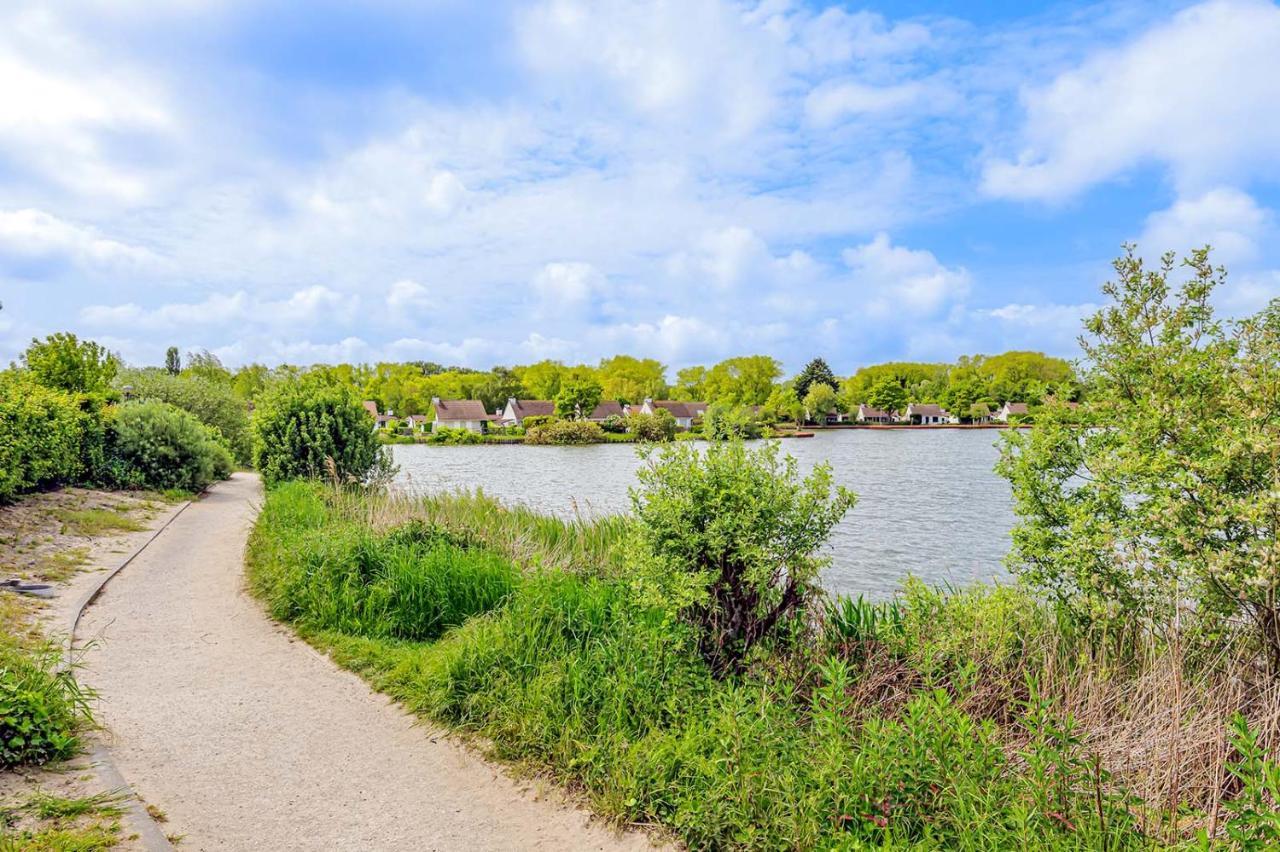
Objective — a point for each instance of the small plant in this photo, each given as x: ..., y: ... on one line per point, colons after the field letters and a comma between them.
x: 41, y: 707
x: 1254, y: 822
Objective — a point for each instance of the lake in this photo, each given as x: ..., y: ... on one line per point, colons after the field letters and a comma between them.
x: 929, y: 503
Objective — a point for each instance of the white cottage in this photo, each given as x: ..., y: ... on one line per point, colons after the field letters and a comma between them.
x: 466, y: 414
x: 925, y: 414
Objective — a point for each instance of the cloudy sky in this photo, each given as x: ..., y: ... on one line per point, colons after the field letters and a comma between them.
x: 495, y: 182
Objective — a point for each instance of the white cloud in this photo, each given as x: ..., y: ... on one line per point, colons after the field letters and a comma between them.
x: 1197, y: 93
x: 838, y: 99
x: 737, y: 257
x: 408, y: 297
x: 1225, y: 218
x: 35, y: 234
x: 567, y: 286
x: 306, y: 306
x: 893, y: 279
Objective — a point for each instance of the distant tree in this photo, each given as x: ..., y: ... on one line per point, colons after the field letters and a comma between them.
x: 629, y: 379
x: 746, y: 380
x: 820, y: 401
x: 250, y: 381
x: 782, y: 404
x: 887, y: 395
x: 497, y: 386
x: 578, y: 398
x: 64, y: 362
x: 172, y: 361
x: 207, y: 366
x: 690, y: 384
x: 541, y: 380
x: 815, y: 371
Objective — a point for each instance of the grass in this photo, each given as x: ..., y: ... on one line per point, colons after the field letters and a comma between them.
x: 961, y: 719
x: 95, y: 522
x: 60, y: 566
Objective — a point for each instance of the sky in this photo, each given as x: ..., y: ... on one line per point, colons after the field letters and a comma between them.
x: 689, y: 180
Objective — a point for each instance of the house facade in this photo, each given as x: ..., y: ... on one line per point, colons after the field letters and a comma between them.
x: 380, y: 420
x: 516, y: 410
x: 867, y: 414
x: 685, y: 413
x: 1009, y: 410
x: 466, y: 414
x: 925, y: 414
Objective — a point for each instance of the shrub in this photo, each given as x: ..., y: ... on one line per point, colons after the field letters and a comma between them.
x: 614, y: 424
x: 41, y: 706
x: 214, y: 403
x: 454, y: 436
x: 302, y: 427
x: 656, y: 427
x: 724, y: 422
x: 48, y: 437
x: 732, y: 536
x: 156, y: 445
x: 565, y: 432
x: 63, y: 362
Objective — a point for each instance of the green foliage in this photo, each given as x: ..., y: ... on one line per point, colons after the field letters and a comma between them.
x: 41, y: 706
x: 578, y: 398
x: 820, y: 401
x: 48, y: 437
x: 724, y: 422
x: 690, y: 384
x: 654, y: 428
x: 538, y: 420
x: 1254, y: 822
x: 311, y: 428
x: 1178, y: 445
x: 746, y: 380
x: 730, y: 538
x: 887, y: 395
x: 64, y: 362
x: 214, y: 403
x: 783, y: 404
x: 172, y: 361
x: 159, y: 446
x: 454, y: 436
x: 615, y: 424
x: 565, y: 432
x: 205, y: 365
x: 629, y: 379
x: 816, y: 372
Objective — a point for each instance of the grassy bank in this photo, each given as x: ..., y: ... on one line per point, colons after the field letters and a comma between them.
x: 962, y: 720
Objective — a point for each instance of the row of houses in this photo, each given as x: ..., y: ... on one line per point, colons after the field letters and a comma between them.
x: 470, y: 414
x: 929, y: 414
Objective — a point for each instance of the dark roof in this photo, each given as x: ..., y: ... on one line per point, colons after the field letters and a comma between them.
x: 1016, y: 407
x: 680, y: 409
x: 867, y: 411
x: 371, y: 407
x: 927, y: 409
x: 533, y: 408
x: 461, y: 409
x: 606, y: 409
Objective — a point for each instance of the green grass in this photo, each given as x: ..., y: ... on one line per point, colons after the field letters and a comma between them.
x: 46, y: 806
x: 42, y: 707
x: 563, y: 668
x: 62, y: 565
x: 95, y: 522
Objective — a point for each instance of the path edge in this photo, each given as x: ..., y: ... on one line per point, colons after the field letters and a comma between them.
x: 148, y: 832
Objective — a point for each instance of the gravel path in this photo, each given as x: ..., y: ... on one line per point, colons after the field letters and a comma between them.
x: 248, y: 739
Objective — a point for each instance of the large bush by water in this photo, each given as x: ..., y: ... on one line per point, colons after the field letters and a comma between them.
x: 312, y: 427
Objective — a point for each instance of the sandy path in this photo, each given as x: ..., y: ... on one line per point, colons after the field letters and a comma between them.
x: 249, y: 739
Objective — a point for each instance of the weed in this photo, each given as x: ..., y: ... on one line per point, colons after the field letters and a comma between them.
x: 95, y: 522
x: 60, y: 566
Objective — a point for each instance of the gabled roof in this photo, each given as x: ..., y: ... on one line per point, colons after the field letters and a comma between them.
x: 461, y: 409
x: 606, y: 409
x: 1016, y: 407
x: 926, y: 409
x: 868, y: 412
x: 679, y: 410
x: 523, y: 408
x: 371, y: 407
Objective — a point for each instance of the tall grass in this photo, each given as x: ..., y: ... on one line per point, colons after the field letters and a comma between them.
x: 965, y: 718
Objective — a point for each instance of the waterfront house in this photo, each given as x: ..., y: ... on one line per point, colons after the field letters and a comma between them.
x: 418, y: 422
x: 925, y: 414
x: 606, y: 409
x: 516, y: 410
x: 685, y: 413
x: 380, y: 420
x: 1009, y: 410
x: 466, y: 414
x: 867, y: 414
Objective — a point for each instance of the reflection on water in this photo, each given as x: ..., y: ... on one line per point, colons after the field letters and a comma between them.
x: 928, y: 501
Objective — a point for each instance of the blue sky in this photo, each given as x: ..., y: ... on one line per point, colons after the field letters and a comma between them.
x: 486, y: 183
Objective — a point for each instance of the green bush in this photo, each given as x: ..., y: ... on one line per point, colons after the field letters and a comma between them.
x: 48, y: 437
x: 159, y: 446
x: 454, y: 436
x: 538, y: 420
x: 656, y: 427
x: 214, y: 403
x: 614, y: 424
x: 565, y: 432
x: 63, y: 362
x: 312, y: 427
x: 41, y: 706
x: 725, y: 422
x: 731, y: 539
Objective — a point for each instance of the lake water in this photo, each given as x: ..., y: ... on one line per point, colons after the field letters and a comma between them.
x: 929, y: 503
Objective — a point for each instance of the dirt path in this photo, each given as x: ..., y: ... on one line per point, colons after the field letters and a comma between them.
x: 248, y: 739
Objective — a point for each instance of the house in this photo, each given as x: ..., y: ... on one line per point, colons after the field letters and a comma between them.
x: 834, y: 417
x: 516, y: 410
x: 418, y: 423
x: 1011, y: 409
x: 925, y: 414
x: 466, y: 414
x: 606, y: 409
x: 685, y: 413
x: 867, y: 414
x: 380, y: 421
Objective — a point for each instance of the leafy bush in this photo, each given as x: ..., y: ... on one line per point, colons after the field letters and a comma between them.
x: 41, y: 706
x: 657, y: 427
x: 48, y: 437
x: 731, y: 539
x: 565, y: 432
x: 725, y: 422
x: 538, y: 420
x: 159, y: 446
x: 213, y: 402
x: 614, y: 424
x: 63, y: 362
x: 302, y: 427
x: 454, y: 436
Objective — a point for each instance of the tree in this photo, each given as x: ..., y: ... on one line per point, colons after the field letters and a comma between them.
x: 172, y: 361
x: 746, y: 380
x: 494, y: 389
x: 782, y: 404
x: 725, y: 422
x: 658, y: 426
x: 1175, y: 521
x: 730, y: 539
x: 64, y: 362
x: 820, y: 401
x: 578, y: 398
x: 887, y: 395
x: 313, y: 427
x: 215, y: 404
x: 629, y: 379
x: 690, y: 384
x: 541, y: 380
x: 816, y: 371
x: 207, y: 366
